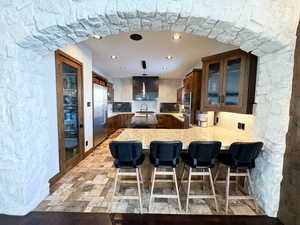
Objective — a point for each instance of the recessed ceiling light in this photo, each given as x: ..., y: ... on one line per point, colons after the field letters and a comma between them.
x: 136, y: 37
x: 114, y: 57
x: 169, y: 57
x: 176, y: 36
x: 97, y: 37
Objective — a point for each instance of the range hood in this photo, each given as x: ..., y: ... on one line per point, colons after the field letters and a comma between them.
x: 145, y: 88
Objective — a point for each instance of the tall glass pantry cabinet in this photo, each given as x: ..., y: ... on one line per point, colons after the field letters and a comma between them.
x: 69, y: 110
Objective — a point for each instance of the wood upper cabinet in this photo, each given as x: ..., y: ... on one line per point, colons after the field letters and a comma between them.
x: 188, y: 83
x: 110, y: 93
x: 192, y: 84
x: 228, y: 82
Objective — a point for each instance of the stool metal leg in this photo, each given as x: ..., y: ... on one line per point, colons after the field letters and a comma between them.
x: 139, y: 189
x: 177, y: 191
x: 227, y: 190
x: 152, y: 187
x: 213, y: 189
x: 188, y: 190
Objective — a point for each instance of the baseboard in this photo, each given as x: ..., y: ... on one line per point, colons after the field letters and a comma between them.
x: 87, y: 153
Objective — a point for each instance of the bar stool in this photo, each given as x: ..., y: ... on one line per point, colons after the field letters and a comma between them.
x: 164, y: 154
x: 240, y: 157
x: 200, y: 155
x: 128, y: 155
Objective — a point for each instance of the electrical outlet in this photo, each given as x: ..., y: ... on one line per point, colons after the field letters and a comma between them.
x: 86, y: 143
x: 241, y: 126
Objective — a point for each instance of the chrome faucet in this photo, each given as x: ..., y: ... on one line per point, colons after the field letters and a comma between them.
x: 141, y: 107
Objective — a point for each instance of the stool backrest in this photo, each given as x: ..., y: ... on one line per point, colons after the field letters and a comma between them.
x: 204, y: 151
x: 126, y: 151
x: 244, y: 152
x: 165, y: 151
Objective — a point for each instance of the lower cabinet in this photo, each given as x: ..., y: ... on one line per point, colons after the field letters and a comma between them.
x: 164, y: 121
x: 169, y: 122
x: 116, y: 122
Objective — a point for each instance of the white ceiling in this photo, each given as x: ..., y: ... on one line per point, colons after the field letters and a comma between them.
x: 153, y: 48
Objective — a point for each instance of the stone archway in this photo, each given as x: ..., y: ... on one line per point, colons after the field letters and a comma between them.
x: 290, y: 195
x: 33, y: 29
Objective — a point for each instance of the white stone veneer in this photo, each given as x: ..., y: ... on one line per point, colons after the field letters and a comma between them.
x: 31, y: 29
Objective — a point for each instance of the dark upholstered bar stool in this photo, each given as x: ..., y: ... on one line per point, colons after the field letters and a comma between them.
x: 241, y: 158
x: 128, y: 155
x: 201, y: 155
x: 164, y: 154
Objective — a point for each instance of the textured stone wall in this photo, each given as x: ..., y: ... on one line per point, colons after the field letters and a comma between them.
x: 31, y: 29
x: 289, y: 210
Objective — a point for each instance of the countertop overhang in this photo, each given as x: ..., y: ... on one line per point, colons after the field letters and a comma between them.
x: 186, y: 136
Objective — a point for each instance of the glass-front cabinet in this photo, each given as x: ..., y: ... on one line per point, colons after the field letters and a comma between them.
x: 232, y: 94
x: 213, y: 83
x: 228, y: 82
x: 69, y: 109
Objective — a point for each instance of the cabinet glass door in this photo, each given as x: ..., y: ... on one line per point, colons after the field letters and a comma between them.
x: 70, y: 104
x: 213, y: 85
x: 232, y: 84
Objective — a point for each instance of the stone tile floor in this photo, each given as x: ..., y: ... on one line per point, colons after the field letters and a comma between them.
x: 88, y: 188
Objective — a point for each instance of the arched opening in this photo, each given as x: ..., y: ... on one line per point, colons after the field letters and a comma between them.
x: 289, y: 186
x: 31, y: 122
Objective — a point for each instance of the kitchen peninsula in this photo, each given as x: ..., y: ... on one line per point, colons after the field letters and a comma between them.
x: 186, y: 136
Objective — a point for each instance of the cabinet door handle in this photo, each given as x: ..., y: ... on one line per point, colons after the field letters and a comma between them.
x: 222, y: 97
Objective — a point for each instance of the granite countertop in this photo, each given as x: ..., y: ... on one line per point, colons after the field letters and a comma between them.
x: 176, y: 115
x: 227, y: 137
x: 112, y: 114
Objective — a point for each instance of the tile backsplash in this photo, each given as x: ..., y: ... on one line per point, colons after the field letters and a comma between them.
x: 136, y: 105
x: 230, y: 121
x: 121, y: 107
x: 169, y: 107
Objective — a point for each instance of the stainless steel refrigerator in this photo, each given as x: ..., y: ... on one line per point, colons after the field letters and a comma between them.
x: 99, y: 112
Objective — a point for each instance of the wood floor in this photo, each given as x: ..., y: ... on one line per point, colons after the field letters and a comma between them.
x: 68, y: 218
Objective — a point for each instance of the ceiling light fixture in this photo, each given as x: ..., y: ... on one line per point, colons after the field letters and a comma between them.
x: 136, y: 37
x: 97, y: 37
x: 114, y: 57
x: 169, y: 57
x: 176, y: 36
